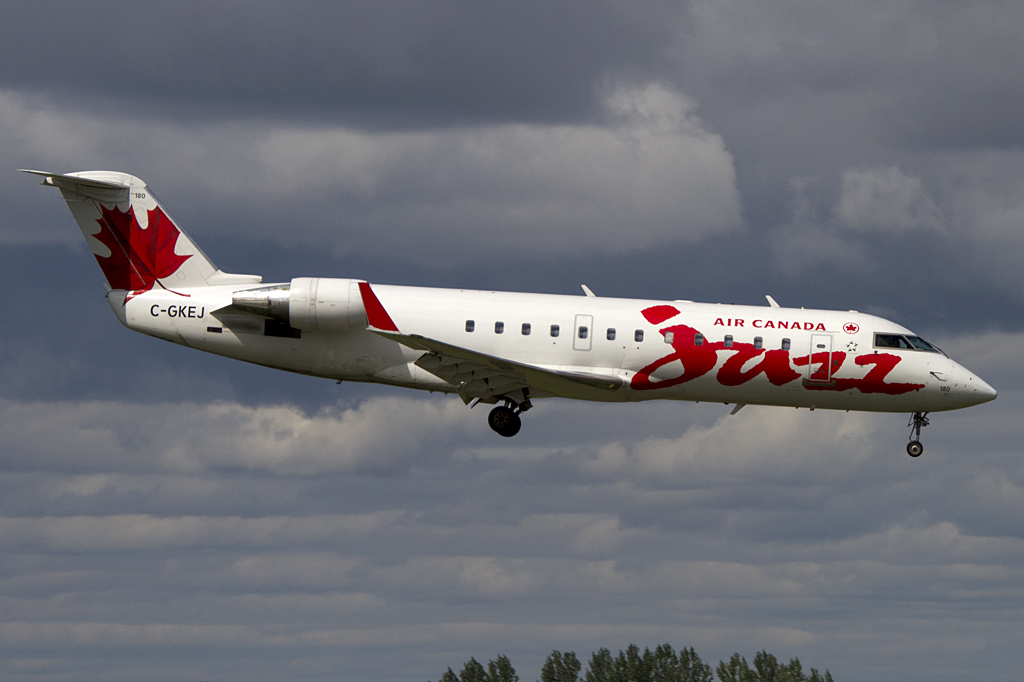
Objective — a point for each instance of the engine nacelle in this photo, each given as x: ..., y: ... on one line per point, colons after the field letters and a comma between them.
x: 312, y: 304
x: 325, y: 304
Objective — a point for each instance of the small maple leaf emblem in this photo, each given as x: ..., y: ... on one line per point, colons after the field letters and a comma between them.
x: 138, y: 257
x: 851, y: 327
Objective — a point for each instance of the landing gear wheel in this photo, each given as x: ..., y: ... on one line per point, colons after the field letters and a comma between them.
x: 504, y: 421
x: 918, y: 421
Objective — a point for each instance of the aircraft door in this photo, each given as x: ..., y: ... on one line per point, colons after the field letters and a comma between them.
x: 819, y: 369
x: 583, y: 333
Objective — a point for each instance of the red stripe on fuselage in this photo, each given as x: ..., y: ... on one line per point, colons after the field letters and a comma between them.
x: 376, y: 316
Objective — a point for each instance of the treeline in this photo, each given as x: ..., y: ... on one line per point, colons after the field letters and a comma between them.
x: 661, y: 665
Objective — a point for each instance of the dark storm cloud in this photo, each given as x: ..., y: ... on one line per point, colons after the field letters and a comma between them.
x: 381, y: 63
x: 170, y: 515
x: 803, y: 90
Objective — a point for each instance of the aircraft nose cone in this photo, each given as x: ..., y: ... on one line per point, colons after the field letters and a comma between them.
x: 982, y: 391
x: 975, y: 390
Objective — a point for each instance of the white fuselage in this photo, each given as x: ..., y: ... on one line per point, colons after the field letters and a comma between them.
x: 676, y: 350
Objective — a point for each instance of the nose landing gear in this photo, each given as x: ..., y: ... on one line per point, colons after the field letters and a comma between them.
x: 918, y: 420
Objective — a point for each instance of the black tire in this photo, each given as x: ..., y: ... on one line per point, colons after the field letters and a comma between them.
x: 504, y: 421
x: 914, y: 448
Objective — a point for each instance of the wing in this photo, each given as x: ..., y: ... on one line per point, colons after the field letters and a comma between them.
x: 487, y: 378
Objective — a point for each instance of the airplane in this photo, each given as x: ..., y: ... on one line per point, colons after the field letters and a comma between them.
x: 500, y: 348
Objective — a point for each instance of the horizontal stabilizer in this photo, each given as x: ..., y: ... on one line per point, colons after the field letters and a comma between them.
x: 115, y: 181
x: 104, y: 186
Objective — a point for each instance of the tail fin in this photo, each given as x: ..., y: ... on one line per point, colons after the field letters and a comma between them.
x: 137, y: 244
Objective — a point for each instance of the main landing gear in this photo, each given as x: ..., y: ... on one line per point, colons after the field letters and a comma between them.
x: 504, y: 419
x: 918, y: 420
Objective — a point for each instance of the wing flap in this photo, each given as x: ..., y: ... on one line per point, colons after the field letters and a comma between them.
x: 483, y: 376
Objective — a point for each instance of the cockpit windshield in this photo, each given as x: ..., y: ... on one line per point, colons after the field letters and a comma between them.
x: 905, y: 342
x: 921, y: 344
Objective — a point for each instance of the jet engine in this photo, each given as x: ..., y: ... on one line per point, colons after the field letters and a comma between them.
x: 312, y: 304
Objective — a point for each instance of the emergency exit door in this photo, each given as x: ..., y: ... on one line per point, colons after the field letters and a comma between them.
x: 819, y: 369
x: 583, y: 333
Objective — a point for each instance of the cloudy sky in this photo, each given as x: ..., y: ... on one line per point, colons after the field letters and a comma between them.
x: 170, y: 516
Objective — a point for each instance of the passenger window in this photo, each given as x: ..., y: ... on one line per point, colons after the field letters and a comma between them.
x: 611, y: 334
x: 554, y: 330
x: 470, y: 325
x: 638, y: 335
x: 499, y: 327
x: 785, y: 344
x: 758, y: 342
x: 698, y: 339
x: 583, y: 331
x: 526, y: 328
x: 728, y: 340
x: 670, y: 337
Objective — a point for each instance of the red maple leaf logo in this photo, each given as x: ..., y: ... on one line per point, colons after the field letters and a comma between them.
x: 851, y: 328
x: 138, y: 257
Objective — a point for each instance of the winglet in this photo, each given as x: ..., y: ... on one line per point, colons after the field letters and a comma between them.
x: 376, y: 316
x: 771, y: 301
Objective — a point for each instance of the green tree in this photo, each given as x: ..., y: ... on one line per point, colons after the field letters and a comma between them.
x: 472, y: 671
x: 766, y: 665
x: 561, y: 667
x: 660, y: 665
x: 501, y: 670
x: 767, y: 669
x: 692, y: 668
x: 791, y: 672
x: 601, y: 667
x: 736, y: 670
x: 632, y: 666
x: 663, y: 665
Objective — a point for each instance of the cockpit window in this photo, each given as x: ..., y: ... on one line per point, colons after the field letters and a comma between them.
x: 921, y: 344
x: 904, y: 342
x: 891, y: 341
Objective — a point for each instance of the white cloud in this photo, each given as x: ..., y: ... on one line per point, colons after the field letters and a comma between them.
x: 873, y: 204
x: 986, y: 195
x: 886, y: 199
x: 964, y: 208
x: 380, y: 435
x: 240, y: 529
x: 650, y: 176
x: 758, y: 440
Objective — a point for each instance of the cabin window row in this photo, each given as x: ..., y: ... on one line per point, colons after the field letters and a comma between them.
x: 583, y: 331
x: 638, y: 335
x: 698, y: 340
